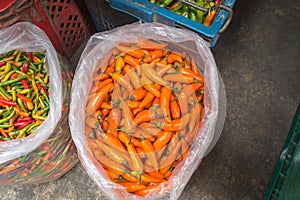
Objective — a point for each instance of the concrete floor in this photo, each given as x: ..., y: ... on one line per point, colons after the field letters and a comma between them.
x: 258, y: 57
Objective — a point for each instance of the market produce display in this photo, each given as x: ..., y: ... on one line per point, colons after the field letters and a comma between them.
x: 24, y: 93
x: 190, y: 11
x: 144, y: 108
x: 52, y: 158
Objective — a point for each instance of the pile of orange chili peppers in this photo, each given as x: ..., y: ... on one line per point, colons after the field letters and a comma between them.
x: 143, y: 111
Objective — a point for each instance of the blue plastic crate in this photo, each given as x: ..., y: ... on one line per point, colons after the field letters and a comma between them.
x: 149, y: 12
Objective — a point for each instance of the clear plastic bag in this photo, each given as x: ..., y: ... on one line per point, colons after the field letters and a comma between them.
x: 96, y: 53
x: 48, y: 152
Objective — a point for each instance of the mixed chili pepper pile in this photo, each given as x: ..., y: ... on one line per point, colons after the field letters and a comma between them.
x: 143, y: 111
x: 24, y: 93
x: 191, y: 12
x: 56, y: 156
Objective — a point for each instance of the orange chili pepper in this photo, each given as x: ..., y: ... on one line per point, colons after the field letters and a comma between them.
x: 155, y: 174
x: 98, y: 98
x: 119, y: 64
x: 100, y: 85
x: 153, y: 89
x: 114, y: 119
x: 133, y: 78
x: 132, y: 51
x: 106, y: 105
x: 152, y: 75
x: 133, y: 187
x: 128, y: 116
x: 151, y: 45
x: 147, y: 115
x: 165, y: 102
x: 171, y: 157
x: 193, y: 66
x: 210, y: 17
x: 137, y: 110
x: 101, y: 77
x: 138, y: 94
x: 122, y: 80
x: 92, y: 122
x: 112, y: 153
x: 195, y: 115
x: 175, y: 109
x: 156, y: 101
x: 131, y: 61
x: 149, y: 150
x: 189, y: 72
x: 145, y: 191
x: 133, y: 104
x: 129, y: 139
x: 172, y: 57
x: 183, y: 103
x: 141, y: 152
x: 162, y: 140
x: 112, y: 175
x: 137, y: 165
x: 105, y: 112
x: 108, y: 162
x: 181, y: 78
x: 111, y: 140
x: 157, y: 53
x: 147, y: 100
x: 105, y: 126
x: 177, y: 123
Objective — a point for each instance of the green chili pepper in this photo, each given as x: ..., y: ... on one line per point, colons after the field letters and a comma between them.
x: 24, y: 130
x: 193, y: 16
x: 7, y: 118
x: 21, y: 104
x: 177, y: 8
x: 39, y: 117
x: 6, y: 54
x: 12, y: 81
x: 7, y: 69
x: 31, y: 65
x: 18, y: 56
x: 5, y: 93
x: 7, y: 76
x: 165, y: 3
x: 29, y: 93
x: 5, y: 125
x: 45, y: 96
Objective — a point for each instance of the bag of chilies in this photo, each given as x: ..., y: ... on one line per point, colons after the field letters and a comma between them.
x: 144, y: 108
x: 35, y: 84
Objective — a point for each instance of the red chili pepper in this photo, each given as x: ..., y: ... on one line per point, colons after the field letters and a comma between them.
x: 2, y: 140
x: 21, y: 96
x: 2, y: 63
x: 23, y: 123
x: 15, y: 75
x: 7, y: 102
x: 42, y: 88
x: 24, y: 83
x: 25, y: 67
x: 4, y: 134
x: 25, y: 105
x: 24, y: 119
x: 29, y: 54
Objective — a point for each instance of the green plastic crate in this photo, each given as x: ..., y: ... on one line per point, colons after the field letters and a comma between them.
x: 285, y: 183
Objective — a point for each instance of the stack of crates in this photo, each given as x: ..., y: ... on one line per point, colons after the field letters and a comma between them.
x: 285, y: 183
x: 66, y: 22
x: 106, y: 18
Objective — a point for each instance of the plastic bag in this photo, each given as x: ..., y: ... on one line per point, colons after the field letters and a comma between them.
x: 96, y: 53
x: 48, y: 152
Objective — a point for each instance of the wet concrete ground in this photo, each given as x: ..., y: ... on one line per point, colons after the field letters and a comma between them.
x: 258, y: 58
